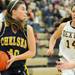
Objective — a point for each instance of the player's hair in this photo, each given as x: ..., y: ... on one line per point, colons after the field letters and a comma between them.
x: 72, y: 6
x: 66, y: 19
x: 16, y: 24
x: 13, y: 5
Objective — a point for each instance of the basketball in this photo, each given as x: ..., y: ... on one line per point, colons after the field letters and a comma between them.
x: 3, y: 60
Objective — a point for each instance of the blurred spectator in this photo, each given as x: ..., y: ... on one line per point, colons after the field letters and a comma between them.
x: 67, y: 2
x: 55, y: 1
x: 30, y: 15
x: 38, y: 16
x: 64, y: 11
x: 2, y: 15
x: 43, y: 4
x: 1, y: 5
x: 33, y: 5
x: 27, y: 2
x: 3, y: 8
x: 57, y: 14
x: 48, y: 15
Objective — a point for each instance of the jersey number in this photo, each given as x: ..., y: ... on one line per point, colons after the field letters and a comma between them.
x: 14, y: 52
x: 68, y: 44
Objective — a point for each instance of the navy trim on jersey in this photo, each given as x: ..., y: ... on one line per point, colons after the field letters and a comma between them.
x: 3, y: 29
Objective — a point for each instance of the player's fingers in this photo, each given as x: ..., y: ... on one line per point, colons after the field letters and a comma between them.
x: 8, y: 65
x: 50, y: 52
x: 9, y: 62
x: 59, y: 62
x: 58, y: 68
x: 10, y: 54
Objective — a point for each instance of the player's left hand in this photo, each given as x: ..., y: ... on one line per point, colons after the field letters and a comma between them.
x: 64, y: 65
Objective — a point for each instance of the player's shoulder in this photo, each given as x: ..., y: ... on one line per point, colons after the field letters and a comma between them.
x: 2, y: 25
x: 62, y: 25
x: 29, y: 28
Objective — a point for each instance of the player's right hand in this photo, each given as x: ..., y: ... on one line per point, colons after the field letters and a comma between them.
x: 50, y: 52
x: 10, y: 61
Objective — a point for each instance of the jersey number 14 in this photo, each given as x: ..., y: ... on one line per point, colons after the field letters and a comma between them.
x: 68, y: 44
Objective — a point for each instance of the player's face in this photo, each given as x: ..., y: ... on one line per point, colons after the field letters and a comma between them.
x: 20, y: 12
x: 73, y: 13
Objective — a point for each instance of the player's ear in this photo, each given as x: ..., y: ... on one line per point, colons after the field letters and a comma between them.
x: 14, y: 12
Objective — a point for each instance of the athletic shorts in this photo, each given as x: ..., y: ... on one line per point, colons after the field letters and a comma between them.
x: 15, y: 72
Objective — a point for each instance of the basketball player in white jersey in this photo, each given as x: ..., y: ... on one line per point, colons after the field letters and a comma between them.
x: 67, y: 45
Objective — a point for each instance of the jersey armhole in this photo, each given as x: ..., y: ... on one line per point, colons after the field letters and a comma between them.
x: 2, y: 29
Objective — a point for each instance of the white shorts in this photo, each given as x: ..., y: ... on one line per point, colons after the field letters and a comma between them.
x: 68, y: 71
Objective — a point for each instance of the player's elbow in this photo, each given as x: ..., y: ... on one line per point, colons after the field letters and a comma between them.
x: 33, y: 52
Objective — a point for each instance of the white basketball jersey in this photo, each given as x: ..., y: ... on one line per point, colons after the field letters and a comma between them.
x: 67, y: 43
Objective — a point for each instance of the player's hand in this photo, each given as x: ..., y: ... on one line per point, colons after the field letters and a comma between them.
x: 50, y: 52
x: 10, y: 61
x: 64, y: 65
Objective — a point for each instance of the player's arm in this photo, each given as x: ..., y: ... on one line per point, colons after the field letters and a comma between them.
x: 65, y: 65
x: 54, y: 37
x: 73, y: 64
x: 31, y: 44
